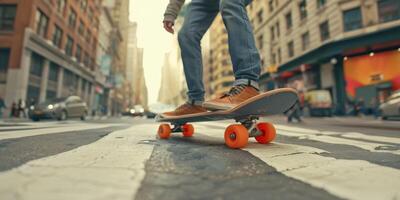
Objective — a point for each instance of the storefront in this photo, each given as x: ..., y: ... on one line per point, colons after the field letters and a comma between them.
x: 371, y: 78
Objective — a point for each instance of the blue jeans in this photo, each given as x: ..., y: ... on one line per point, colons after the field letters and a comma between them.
x: 244, y: 54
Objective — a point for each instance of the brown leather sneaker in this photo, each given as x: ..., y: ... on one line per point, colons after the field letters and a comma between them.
x: 236, y: 95
x: 185, y: 109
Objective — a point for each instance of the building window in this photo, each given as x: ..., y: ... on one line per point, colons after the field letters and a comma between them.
x: 305, y: 41
x: 321, y: 3
x: 88, y: 35
x: 60, y: 6
x: 260, y: 16
x: 279, y: 55
x: 78, y: 53
x: 86, y: 59
x: 272, y: 30
x: 57, y: 36
x: 271, y: 5
x: 277, y: 28
x: 72, y: 19
x: 7, y: 17
x: 289, y: 22
x: 389, y: 10
x: 273, y: 58
x: 50, y: 95
x: 303, y: 9
x: 352, y: 19
x: 90, y: 13
x: 68, y: 46
x: 81, y: 28
x: 4, y: 60
x: 324, y: 31
x: 84, y: 4
x: 53, y: 72
x: 37, y: 62
x: 260, y: 40
x: 42, y: 22
x: 290, y: 49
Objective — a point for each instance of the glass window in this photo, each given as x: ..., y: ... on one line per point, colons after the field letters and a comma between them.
x: 37, y: 62
x: 81, y: 29
x: 33, y: 93
x: 305, y: 39
x: 389, y: 10
x: 68, y: 46
x: 303, y: 9
x: 260, y: 40
x: 42, y: 22
x: 84, y: 4
x: 53, y: 72
x: 289, y: 22
x: 57, y: 36
x: 60, y: 6
x: 324, y: 31
x: 50, y: 95
x: 260, y: 16
x: 78, y: 53
x: 4, y: 60
x: 290, y: 49
x: 352, y: 19
x: 321, y: 3
x: 7, y: 17
x: 72, y: 19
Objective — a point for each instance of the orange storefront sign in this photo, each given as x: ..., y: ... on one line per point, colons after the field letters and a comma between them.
x: 372, y: 69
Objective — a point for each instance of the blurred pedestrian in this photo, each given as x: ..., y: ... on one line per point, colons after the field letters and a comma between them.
x: 14, y: 110
x: 21, y: 108
x: 2, y: 106
x: 294, y: 112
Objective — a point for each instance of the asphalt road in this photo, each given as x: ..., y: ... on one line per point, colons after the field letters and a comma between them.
x: 336, y: 158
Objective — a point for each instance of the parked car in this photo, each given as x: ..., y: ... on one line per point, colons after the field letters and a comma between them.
x: 60, y: 109
x: 391, y: 108
x: 135, y: 111
x: 319, y: 103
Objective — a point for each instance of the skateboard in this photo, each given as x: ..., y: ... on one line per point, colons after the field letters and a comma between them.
x: 246, y: 115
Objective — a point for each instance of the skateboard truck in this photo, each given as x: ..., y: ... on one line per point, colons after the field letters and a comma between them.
x: 251, y: 124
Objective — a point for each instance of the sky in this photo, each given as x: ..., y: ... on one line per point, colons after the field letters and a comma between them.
x: 152, y: 37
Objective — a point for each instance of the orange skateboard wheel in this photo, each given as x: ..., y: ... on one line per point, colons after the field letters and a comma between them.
x: 164, y: 131
x: 236, y: 136
x: 268, y: 133
x: 187, y: 130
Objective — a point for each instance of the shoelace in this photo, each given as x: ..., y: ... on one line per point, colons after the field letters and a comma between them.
x: 235, y: 90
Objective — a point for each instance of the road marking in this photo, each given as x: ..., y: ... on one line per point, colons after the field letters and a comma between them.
x: 111, y: 168
x: 327, y: 137
x: 351, y: 179
x: 67, y: 128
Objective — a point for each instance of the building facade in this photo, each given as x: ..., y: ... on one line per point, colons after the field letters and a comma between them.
x: 350, y: 48
x: 48, y: 49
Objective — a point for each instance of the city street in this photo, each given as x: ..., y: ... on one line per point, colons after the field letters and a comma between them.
x: 121, y: 158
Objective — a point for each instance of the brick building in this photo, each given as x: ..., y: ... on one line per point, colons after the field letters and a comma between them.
x: 48, y: 48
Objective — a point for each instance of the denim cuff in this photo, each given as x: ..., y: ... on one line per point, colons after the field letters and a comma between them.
x: 195, y: 102
x: 247, y: 82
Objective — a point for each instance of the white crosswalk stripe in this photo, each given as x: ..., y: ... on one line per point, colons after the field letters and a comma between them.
x: 111, y: 168
x: 50, y: 129
x: 114, y: 165
x: 351, y: 179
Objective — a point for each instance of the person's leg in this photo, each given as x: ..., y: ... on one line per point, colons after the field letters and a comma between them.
x: 199, y: 17
x: 244, y: 54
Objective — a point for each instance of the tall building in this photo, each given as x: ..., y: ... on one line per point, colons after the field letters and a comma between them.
x: 121, y: 89
x: 107, y: 56
x: 350, y: 48
x: 48, y: 49
x: 139, y: 88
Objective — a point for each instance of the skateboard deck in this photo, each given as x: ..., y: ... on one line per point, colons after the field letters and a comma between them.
x: 265, y: 104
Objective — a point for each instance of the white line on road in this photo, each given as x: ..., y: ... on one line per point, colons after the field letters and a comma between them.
x: 56, y: 129
x: 111, y: 168
x: 351, y: 179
